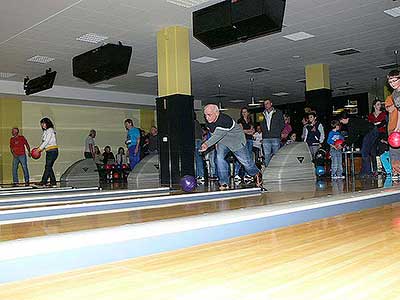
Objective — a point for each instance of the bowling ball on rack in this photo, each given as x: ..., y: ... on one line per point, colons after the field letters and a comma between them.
x: 35, y: 153
x: 188, y: 183
x: 394, y: 139
x: 116, y: 175
x: 320, y: 170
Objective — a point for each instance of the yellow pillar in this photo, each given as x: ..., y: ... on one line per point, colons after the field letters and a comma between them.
x: 146, y: 119
x: 173, y: 61
x: 10, y: 116
x: 317, y: 77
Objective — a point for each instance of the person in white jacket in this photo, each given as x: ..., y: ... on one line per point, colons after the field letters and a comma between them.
x: 313, y: 134
x: 49, y: 144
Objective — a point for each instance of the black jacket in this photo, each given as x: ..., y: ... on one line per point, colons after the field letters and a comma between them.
x: 357, y: 128
x: 277, y: 125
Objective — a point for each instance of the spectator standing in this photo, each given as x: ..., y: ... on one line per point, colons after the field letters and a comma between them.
x: 336, y: 150
x: 314, y: 134
x: 133, y: 143
x: 108, y: 156
x: 246, y: 123
x: 378, y: 118
x: 198, y: 140
x: 89, y: 145
x: 18, y: 143
x: 152, y: 140
x: 257, y: 144
x: 271, y: 126
x: 286, y: 130
x: 360, y: 128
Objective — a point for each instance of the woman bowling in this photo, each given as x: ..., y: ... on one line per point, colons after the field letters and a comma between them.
x: 49, y: 144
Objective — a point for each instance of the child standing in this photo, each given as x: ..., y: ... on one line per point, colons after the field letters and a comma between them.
x: 291, y: 138
x: 121, y: 158
x: 335, y: 141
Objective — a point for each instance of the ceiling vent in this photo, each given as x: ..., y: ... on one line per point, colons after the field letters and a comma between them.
x: 257, y: 70
x: 388, y: 66
x: 347, y: 51
x: 345, y: 88
x: 218, y: 96
x: 280, y: 94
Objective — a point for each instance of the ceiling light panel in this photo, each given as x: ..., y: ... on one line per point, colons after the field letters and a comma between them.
x: 393, y: 12
x: 41, y: 59
x: 237, y: 101
x: 204, y: 59
x: 92, y: 38
x: 187, y: 3
x: 298, y: 36
x: 6, y: 75
x: 147, y: 74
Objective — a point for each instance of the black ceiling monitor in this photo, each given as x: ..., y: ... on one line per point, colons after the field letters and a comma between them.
x: 36, y: 85
x: 102, y: 63
x: 233, y: 21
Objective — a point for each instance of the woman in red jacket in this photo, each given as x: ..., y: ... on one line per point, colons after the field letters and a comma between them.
x: 378, y: 118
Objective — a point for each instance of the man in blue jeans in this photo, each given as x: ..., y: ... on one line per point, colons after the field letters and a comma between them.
x: 359, y: 128
x: 271, y: 127
x: 198, y: 139
x: 18, y: 143
x: 227, y: 135
x: 133, y: 142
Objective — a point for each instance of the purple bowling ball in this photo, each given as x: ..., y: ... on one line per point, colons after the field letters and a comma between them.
x: 188, y: 183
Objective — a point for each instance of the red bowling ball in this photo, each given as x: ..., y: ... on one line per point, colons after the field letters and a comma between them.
x: 394, y: 139
x: 338, y: 143
x: 35, y: 153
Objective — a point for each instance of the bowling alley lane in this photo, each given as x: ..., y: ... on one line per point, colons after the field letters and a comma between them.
x: 287, y: 193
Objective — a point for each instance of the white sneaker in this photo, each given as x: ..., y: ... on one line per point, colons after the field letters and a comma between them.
x: 237, y: 178
x: 223, y: 187
x: 248, y: 178
x: 200, y: 180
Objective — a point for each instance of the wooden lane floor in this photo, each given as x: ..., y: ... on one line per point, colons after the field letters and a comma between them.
x: 47, y: 227
x: 351, y: 256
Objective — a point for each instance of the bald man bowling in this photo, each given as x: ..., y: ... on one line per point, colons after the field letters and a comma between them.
x: 228, y: 136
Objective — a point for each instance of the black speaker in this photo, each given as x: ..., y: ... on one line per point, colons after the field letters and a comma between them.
x: 233, y: 21
x: 321, y: 101
x: 175, y: 121
x: 102, y: 63
x: 41, y: 83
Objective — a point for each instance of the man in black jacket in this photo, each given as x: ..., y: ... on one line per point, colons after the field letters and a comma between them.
x: 360, y: 128
x: 271, y: 127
